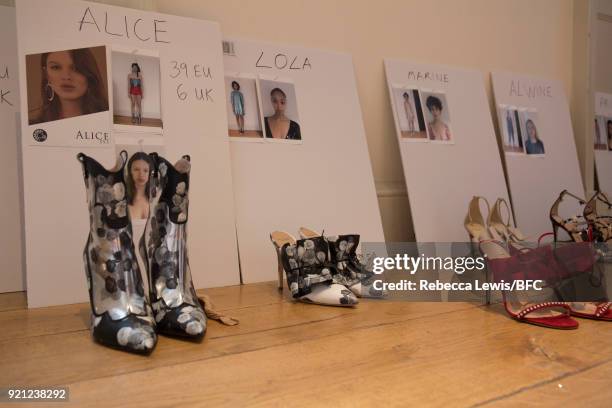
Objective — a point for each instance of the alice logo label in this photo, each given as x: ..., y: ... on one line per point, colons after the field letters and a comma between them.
x: 40, y: 135
x: 94, y: 136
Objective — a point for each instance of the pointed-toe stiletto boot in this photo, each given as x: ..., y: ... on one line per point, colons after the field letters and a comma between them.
x: 121, y: 315
x: 173, y: 297
x: 309, y: 271
x: 353, y: 273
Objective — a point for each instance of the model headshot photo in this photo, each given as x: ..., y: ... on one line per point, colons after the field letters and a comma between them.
x: 139, y: 168
x: 512, y: 136
x: 139, y: 189
x: 437, y: 117
x: 410, y: 119
x: 244, y: 119
x: 136, y: 89
x: 66, y: 84
x: 279, y: 106
x: 533, y: 143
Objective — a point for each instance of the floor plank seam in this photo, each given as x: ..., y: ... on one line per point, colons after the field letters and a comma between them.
x: 249, y: 307
x: 541, y: 384
x: 87, y: 305
x: 86, y: 328
x: 44, y: 335
x: 13, y: 310
x: 340, y: 316
x: 225, y: 354
x: 276, y: 328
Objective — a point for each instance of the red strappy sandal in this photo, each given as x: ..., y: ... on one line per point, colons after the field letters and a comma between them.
x: 544, y: 314
x: 603, y: 311
x: 554, y: 320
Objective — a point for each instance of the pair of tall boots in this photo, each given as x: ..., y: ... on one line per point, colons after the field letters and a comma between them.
x: 122, y: 316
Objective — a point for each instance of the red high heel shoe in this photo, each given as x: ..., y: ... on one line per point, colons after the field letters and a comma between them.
x: 595, y: 311
x: 553, y: 315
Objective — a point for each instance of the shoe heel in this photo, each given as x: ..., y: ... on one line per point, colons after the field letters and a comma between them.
x: 277, y: 240
x: 488, y: 291
x: 555, y: 230
x: 280, y: 272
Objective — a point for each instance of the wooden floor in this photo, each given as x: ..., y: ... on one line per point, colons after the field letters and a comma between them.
x: 247, y: 133
x: 127, y: 120
x: 288, y: 354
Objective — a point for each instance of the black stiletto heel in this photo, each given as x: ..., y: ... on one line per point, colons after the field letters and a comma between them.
x: 571, y: 225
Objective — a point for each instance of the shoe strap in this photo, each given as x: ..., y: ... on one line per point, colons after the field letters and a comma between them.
x: 539, y: 306
x: 602, y: 309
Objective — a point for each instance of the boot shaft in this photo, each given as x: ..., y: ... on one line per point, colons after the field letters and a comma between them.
x: 165, y: 240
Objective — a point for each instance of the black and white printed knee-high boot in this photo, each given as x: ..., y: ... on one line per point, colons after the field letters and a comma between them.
x: 121, y: 315
x: 176, y: 308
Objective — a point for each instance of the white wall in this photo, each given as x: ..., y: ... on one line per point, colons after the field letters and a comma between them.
x: 441, y: 179
x: 323, y: 182
x: 601, y: 81
x: 56, y: 216
x: 536, y: 181
x: 517, y: 35
x: 11, y: 265
x: 547, y: 38
x: 149, y: 68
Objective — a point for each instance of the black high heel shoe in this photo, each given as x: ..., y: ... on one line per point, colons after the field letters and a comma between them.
x: 121, y: 315
x: 175, y: 303
x: 309, y: 271
x: 600, y: 225
x: 354, y: 272
x: 576, y: 227
x: 581, y: 230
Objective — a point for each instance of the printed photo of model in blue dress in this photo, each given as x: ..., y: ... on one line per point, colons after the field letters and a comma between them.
x: 243, y: 107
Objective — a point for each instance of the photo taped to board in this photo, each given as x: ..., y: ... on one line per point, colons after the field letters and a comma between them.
x: 56, y: 79
x: 437, y: 116
x: 530, y: 128
x: 512, y: 136
x: 279, y: 107
x: 409, y: 118
x: 136, y: 90
x: 245, y: 122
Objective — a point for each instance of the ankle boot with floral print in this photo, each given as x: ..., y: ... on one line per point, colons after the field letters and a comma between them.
x: 175, y: 303
x: 310, y: 273
x: 354, y: 273
x: 121, y: 315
